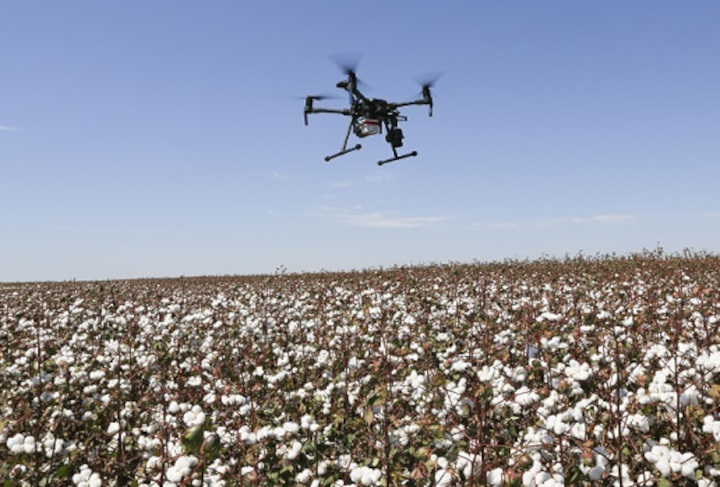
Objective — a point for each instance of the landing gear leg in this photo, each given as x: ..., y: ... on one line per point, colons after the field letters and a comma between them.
x: 397, y: 158
x: 342, y: 152
x: 344, y: 149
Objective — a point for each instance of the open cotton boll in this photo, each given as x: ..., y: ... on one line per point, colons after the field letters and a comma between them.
x: 29, y: 444
x: 183, y: 467
x: 711, y: 426
x: 87, y: 478
x: 16, y: 443
x: 294, y: 450
x: 365, y: 475
x: 525, y: 397
x: 495, y: 477
x: 194, y: 416
x: 303, y: 477
x: 443, y: 478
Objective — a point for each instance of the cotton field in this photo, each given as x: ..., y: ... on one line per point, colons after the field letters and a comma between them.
x: 587, y: 371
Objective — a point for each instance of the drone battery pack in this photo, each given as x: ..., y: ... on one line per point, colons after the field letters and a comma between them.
x: 368, y: 126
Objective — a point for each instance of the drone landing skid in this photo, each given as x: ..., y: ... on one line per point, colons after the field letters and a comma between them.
x: 397, y: 158
x: 342, y: 152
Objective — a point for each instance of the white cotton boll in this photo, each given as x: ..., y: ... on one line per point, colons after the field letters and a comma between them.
x: 356, y: 475
x: 577, y: 371
x: 97, y: 374
x: 173, y: 474
x: 460, y: 366
x: 711, y: 426
x: 94, y: 480
x: 323, y: 357
x: 189, y: 418
x: 639, y: 422
x: 495, y: 477
x: 29, y: 444
x: 306, y: 421
x: 294, y: 451
x: 291, y: 427
x: 15, y: 443
x: 542, y: 477
x: 578, y: 431
x: 210, y: 398
x: 173, y: 407
x: 487, y: 374
x: 688, y: 465
x: 371, y: 476
x: 82, y: 478
x: 186, y: 462
x: 443, y: 478
x: 652, y: 457
x: 525, y: 397
x: 113, y: 428
x: 303, y: 477
x: 547, y: 316
x: 663, y: 466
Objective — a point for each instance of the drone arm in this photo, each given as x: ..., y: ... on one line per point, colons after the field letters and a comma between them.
x: 330, y: 110
x: 324, y: 110
x: 415, y: 102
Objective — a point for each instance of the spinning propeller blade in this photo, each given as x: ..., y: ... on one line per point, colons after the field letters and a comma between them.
x: 427, y: 81
x: 347, y: 62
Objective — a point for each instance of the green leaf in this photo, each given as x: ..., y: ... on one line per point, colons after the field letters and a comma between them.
x: 369, y: 415
x: 663, y: 482
x: 211, y: 447
x: 64, y: 471
x: 193, y: 439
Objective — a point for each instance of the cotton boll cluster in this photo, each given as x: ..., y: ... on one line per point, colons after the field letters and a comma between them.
x: 20, y: 443
x: 86, y: 478
x: 181, y: 469
x: 366, y: 476
x: 194, y: 416
x: 667, y: 461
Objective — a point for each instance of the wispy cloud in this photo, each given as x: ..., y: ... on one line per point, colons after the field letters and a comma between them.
x: 375, y: 178
x: 375, y: 219
x: 7, y: 128
x: 276, y: 176
x: 565, y: 221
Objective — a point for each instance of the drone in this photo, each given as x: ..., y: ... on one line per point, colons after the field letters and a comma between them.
x: 368, y: 116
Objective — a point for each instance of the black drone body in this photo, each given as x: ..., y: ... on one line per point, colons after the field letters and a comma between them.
x: 370, y: 116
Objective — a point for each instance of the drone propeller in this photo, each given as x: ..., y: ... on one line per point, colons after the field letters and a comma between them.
x: 347, y: 62
x: 313, y: 98
x: 318, y: 97
x: 427, y: 81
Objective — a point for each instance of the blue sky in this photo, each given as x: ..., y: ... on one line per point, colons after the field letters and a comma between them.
x: 151, y: 139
